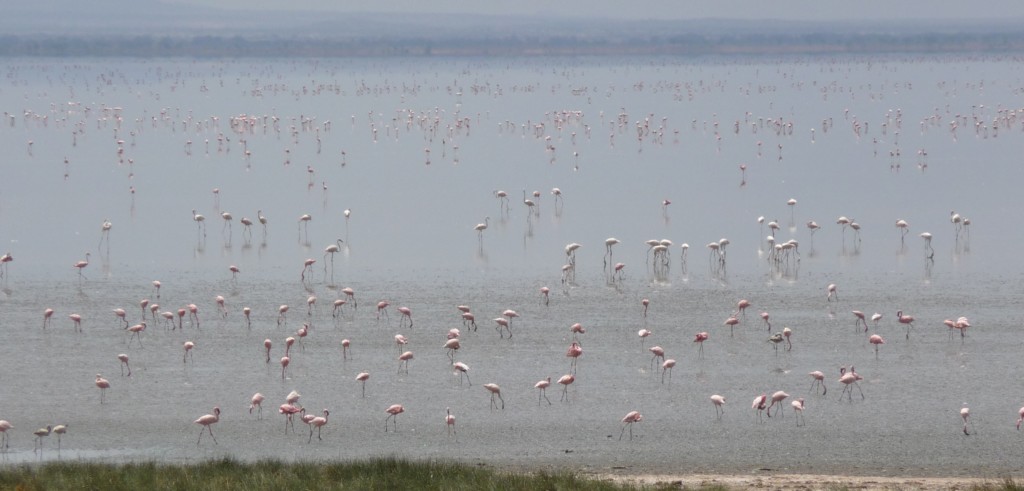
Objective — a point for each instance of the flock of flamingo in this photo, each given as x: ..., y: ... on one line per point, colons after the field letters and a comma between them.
x: 450, y: 333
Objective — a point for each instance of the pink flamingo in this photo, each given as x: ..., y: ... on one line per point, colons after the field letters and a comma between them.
x: 798, y: 409
x: 630, y: 418
x: 819, y: 379
x: 667, y: 365
x: 849, y: 380
x: 502, y: 322
x: 188, y: 351
x: 645, y: 302
x: 318, y: 422
x: 658, y: 352
x: 47, y: 314
x: 81, y: 265
x: 495, y: 392
x: 288, y: 342
x: 699, y: 339
x: 285, y: 360
x: 339, y: 305
x: 565, y: 381
x: 718, y: 401
x: 905, y: 319
x: 575, y: 329
x: 1020, y: 417
x: 103, y: 385
x: 731, y: 322
x: 307, y: 265
x: 764, y: 317
x: 574, y: 352
x: 289, y: 410
x: 462, y: 369
x: 169, y: 317
x: 832, y: 292
x: 345, y: 343
x: 4, y: 426
x: 351, y: 295
x: 544, y: 291
x: 542, y: 388
x: 452, y: 345
x: 469, y: 318
x: 741, y: 306
x: 206, y: 420
x: 759, y: 404
x: 266, y: 345
x: 403, y: 360
x: 77, y: 319
x: 393, y: 411
x: 193, y: 313
x: 860, y: 319
x: 246, y: 311
x: 777, y: 398
x: 257, y: 402
x: 136, y: 331
x: 400, y: 341
x: 121, y: 314
x: 382, y: 307
x: 406, y: 314
x: 876, y: 340
x: 124, y: 363
x: 449, y: 421
x: 362, y: 378
x: 280, y: 314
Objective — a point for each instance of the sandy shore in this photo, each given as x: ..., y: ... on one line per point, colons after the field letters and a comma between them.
x: 804, y: 481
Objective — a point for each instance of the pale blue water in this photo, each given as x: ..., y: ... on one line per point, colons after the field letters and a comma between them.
x: 410, y: 240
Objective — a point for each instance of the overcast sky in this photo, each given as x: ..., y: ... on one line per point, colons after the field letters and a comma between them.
x: 663, y: 9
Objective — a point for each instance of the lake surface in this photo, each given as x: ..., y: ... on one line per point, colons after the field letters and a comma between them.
x: 415, y: 149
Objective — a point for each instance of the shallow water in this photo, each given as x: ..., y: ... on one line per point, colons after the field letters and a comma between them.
x: 410, y: 240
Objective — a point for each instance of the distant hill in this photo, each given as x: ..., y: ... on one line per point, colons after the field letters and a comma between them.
x: 138, y: 28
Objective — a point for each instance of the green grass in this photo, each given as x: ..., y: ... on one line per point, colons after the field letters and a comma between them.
x: 221, y: 475
x: 383, y: 473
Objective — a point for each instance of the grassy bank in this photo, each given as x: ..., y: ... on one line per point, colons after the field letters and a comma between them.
x: 389, y: 474
x: 383, y: 474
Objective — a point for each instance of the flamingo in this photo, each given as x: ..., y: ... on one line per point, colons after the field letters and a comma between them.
x: 187, y: 346
x: 759, y: 405
x: 345, y: 343
x: 289, y: 410
x: 285, y: 360
x: 331, y: 249
x: 4, y: 259
x: 200, y: 222
x: 777, y: 398
x: 393, y: 411
x: 281, y: 311
x: 798, y: 409
x: 362, y: 378
x: 47, y: 314
x: 449, y: 421
x: 40, y: 434
x: 382, y: 307
x: 480, y: 227
x: 77, y: 320
x: 875, y: 318
x: 263, y: 221
x: 227, y: 224
x: 124, y: 364
x: 731, y: 322
x: 667, y: 366
x: 1020, y: 417
x: 495, y: 392
x: 965, y: 414
x: 699, y: 338
x: 452, y: 345
x: 831, y: 289
x: 860, y: 319
x: 574, y: 352
x: 462, y: 369
x: 544, y: 291
x: 307, y: 264
x: 658, y: 352
x: 257, y: 402
x: 904, y: 228
x: 630, y: 418
x: 351, y: 295
x: 718, y: 401
x: 764, y: 317
x: 645, y: 302
x: 103, y: 385
x: 876, y: 340
x: 819, y: 379
x: 565, y: 381
x: 4, y: 426
x: 905, y: 319
x: 120, y: 313
x: 406, y: 314
x: 206, y: 421
x: 403, y: 360
x: 81, y: 265
x: 304, y: 221
x: 542, y: 389
x: 318, y: 422
x: 849, y: 380
x: 929, y: 251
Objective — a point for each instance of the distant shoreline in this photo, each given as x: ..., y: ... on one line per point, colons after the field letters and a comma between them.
x: 204, y: 46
